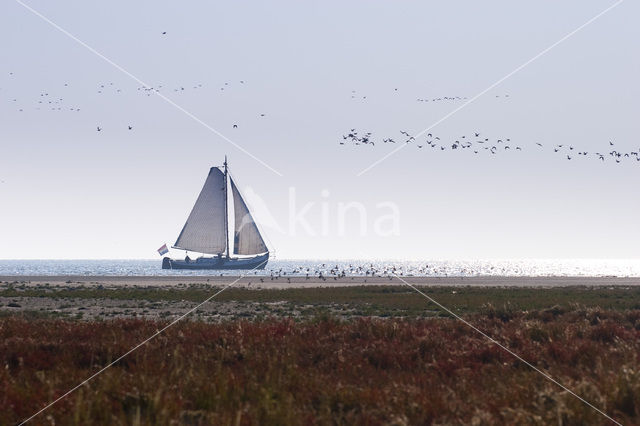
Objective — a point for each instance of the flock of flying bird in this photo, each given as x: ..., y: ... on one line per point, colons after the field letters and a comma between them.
x: 477, y: 144
x: 326, y: 271
x: 56, y: 98
x: 44, y: 101
x: 452, y: 98
x: 335, y: 272
x: 355, y: 95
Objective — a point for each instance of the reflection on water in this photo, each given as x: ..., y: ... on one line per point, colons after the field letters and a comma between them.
x: 455, y: 268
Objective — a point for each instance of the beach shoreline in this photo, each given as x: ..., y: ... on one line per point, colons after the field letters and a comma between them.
x: 300, y: 281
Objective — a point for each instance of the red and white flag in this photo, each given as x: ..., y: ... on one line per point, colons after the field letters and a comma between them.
x: 163, y: 250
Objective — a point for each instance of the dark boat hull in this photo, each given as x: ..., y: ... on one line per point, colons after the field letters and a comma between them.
x: 217, y: 263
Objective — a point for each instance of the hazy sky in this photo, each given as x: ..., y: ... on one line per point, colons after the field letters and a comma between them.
x: 69, y: 191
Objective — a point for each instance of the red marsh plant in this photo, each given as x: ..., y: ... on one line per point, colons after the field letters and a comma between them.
x: 366, y: 371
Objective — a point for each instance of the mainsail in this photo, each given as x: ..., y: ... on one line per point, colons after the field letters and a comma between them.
x: 247, y: 239
x: 206, y: 228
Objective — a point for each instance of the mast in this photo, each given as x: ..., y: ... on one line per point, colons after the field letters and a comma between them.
x: 226, y: 209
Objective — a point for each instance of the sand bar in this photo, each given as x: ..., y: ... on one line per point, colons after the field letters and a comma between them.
x: 302, y: 281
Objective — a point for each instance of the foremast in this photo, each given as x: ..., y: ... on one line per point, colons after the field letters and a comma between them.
x: 226, y: 208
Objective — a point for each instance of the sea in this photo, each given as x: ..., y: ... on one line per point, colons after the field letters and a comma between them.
x: 427, y: 268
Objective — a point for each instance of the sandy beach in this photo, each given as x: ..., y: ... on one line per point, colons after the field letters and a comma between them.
x: 283, y: 282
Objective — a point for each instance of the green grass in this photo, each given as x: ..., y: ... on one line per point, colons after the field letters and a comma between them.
x: 370, y: 300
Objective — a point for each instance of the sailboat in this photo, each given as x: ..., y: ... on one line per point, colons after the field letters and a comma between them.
x: 206, y: 231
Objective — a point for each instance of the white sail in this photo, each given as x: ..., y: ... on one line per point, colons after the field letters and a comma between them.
x: 247, y: 239
x: 205, y: 229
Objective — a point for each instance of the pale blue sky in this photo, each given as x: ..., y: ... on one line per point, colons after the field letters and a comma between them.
x: 72, y: 192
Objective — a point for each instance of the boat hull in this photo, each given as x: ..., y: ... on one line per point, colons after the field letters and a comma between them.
x: 217, y: 263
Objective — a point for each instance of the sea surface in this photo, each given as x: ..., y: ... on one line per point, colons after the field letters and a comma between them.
x: 429, y: 268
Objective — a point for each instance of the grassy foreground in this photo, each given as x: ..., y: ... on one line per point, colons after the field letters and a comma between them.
x: 326, y: 371
x: 342, y: 302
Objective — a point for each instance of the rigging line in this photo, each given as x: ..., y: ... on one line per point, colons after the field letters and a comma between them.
x: 494, y: 341
x: 139, y: 345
